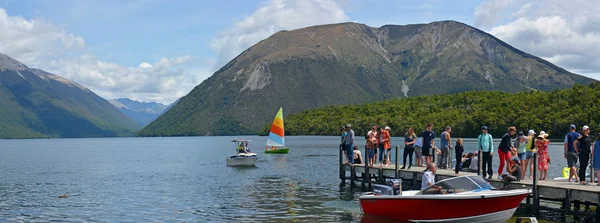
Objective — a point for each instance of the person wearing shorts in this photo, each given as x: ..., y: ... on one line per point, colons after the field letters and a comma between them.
x: 419, y: 152
x: 571, y: 151
x: 428, y: 137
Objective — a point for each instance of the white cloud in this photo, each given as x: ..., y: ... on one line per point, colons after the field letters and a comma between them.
x: 566, y: 33
x: 145, y: 65
x: 269, y: 18
x: 43, y: 45
x: 487, y: 13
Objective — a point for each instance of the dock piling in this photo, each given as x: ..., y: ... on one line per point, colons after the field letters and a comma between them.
x: 536, y: 197
x: 396, y: 166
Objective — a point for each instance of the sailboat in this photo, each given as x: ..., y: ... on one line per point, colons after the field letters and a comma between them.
x: 276, y: 140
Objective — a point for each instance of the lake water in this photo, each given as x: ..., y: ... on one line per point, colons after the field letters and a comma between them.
x: 179, y: 179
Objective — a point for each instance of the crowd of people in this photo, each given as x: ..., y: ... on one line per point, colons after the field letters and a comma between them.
x: 515, y: 152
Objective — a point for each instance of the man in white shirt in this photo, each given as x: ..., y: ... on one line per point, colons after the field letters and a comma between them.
x: 429, y: 178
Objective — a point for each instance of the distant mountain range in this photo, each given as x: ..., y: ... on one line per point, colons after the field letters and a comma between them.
x: 38, y: 104
x: 352, y: 63
x: 142, y: 112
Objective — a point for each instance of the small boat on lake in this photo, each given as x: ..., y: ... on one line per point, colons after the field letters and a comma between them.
x: 457, y: 199
x: 276, y: 140
x: 244, y: 156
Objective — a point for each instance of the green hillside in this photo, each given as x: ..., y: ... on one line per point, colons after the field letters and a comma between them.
x: 466, y: 112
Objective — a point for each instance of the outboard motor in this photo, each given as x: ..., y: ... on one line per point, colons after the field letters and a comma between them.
x: 379, y: 189
x: 396, y: 185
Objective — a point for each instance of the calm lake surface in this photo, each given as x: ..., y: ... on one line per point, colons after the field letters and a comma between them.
x: 180, y: 179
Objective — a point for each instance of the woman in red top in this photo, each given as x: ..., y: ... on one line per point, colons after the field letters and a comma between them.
x: 543, y: 159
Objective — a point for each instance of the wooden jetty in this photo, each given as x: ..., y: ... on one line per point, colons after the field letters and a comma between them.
x: 570, y: 195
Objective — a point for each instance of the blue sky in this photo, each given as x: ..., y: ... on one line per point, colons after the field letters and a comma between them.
x: 159, y: 50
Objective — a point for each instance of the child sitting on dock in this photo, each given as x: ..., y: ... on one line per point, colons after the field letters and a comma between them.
x: 514, y: 173
x: 357, y: 155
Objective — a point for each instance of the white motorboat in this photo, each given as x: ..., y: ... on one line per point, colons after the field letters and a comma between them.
x: 244, y: 156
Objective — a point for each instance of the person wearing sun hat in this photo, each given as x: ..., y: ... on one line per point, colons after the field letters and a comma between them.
x: 388, y: 146
x: 570, y: 153
x: 543, y: 158
x: 529, y: 154
x: 584, y: 141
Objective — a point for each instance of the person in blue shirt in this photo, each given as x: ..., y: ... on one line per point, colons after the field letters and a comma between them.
x: 485, y: 145
x: 571, y: 152
x: 343, y: 143
x: 428, y: 137
x: 349, y: 139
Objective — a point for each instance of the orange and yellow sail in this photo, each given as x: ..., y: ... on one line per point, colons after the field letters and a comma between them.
x: 277, y: 136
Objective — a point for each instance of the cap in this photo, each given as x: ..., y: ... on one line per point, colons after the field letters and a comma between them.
x: 484, y: 127
x: 585, y: 127
x: 348, y: 126
x: 387, y: 128
x: 531, y: 132
x: 520, y: 133
x: 572, y: 126
x: 342, y: 128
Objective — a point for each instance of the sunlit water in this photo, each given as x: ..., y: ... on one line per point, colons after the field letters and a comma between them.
x: 178, y: 179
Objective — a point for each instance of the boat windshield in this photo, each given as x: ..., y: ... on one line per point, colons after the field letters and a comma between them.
x: 458, y: 185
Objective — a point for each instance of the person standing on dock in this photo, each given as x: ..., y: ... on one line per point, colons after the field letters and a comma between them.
x: 370, y: 149
x: 521, y: 145
x: 596, y: 158
x: 349, y: 139
x: 343, y: 143
x: 388, y: 145
x: 585, y: 143
x: 570, y: 151
x: 445, y: 143
x: 543, y: 159
x: 486, y: 147
x: 409, y: 148
x: 529, y: 154
x: 383, y: 141
x: 428, y: 137
x: 419, y: 152
x: 373, y: 135
x: 504, y: 151
x: 459, y: 149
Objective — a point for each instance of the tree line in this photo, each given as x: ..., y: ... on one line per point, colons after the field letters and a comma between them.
x: 466, y: 112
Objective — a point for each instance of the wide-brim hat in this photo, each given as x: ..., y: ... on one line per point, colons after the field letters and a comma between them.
x: 348, y: 126
x: 387, y: 128
x: 542, y: 135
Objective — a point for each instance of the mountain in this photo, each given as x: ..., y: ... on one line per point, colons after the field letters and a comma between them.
x: 170, y: 106
x: 38, y: 104
x: 353, y: 63
x: 141, y: 112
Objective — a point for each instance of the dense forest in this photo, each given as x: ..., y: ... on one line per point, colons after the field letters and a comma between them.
x: 466, y: 112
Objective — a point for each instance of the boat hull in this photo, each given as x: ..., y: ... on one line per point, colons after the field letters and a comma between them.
x: 492, y: 207
x: 278, y: 151
x: 242, y: 160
